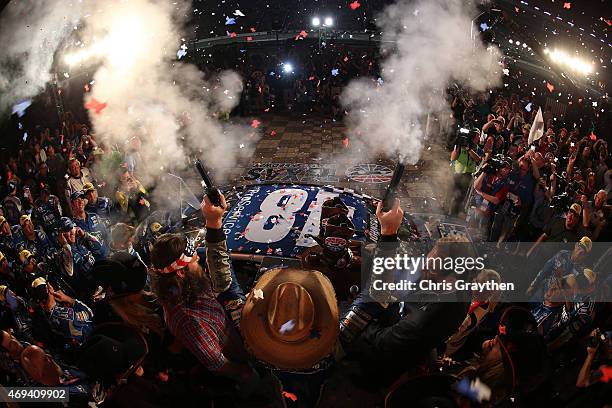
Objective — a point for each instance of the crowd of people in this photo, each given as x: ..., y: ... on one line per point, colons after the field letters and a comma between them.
x: 164, y: 321
x: 305, y: 78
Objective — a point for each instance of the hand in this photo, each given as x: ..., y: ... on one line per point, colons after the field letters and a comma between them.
x: 61, y: 239
x: 391, y: 220
x: 584, y: 199
x: 62, y: 297
x: 213, y: 214
x: 80, y: 233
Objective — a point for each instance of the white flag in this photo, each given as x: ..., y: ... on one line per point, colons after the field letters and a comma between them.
x: 537, y: 128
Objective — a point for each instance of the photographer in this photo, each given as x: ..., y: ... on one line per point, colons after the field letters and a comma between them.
x: 514, y: 213
x: 491, y: 188
x: 465, y: 156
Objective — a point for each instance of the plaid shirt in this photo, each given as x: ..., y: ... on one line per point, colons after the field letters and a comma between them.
x: 204, y: 329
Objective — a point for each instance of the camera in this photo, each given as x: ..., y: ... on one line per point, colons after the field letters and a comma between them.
x: 561, y: 202
x: 493, y: 165
x: 465, y: 136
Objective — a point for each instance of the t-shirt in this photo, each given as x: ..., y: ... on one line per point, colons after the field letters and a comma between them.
x: 556, y: 232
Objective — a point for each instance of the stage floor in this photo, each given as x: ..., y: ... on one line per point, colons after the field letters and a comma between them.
x: 312, y: 149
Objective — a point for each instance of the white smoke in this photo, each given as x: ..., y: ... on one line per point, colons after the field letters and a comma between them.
x: 30, y: 33
x: 432, y: 49
x: 169, y: 105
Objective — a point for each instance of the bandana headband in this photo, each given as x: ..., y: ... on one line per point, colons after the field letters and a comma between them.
x: 183, y: 261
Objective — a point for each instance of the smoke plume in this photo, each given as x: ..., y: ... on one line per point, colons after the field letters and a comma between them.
x: 169, y: 105
x: 432, y: 49
x: 30, y: 33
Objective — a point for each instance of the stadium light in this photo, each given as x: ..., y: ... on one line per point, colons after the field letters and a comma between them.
x: 571, y: 62
x: 328, y: 22
x: 287, y: 67
x: 316, y: 22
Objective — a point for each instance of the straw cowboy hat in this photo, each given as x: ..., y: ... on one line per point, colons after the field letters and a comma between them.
x: 290, y: 318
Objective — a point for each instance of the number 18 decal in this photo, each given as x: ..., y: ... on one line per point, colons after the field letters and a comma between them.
x: 276, y: 216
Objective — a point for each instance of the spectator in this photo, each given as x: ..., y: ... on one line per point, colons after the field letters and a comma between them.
x: 568, y: 229
x: 90, y: 223
x: 76, y: 178
x: 596, y: 214
x: 191, y: 311
x: 11, y: 205
x: 71, y: 318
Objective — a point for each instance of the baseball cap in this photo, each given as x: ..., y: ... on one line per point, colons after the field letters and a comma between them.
x: 25, y: 255
x: 65, y: 224
x: 24, y: 218
x: 586, y: 243
x: 38, y: 282
x: 576, y: 208
x: 75, y: 195
x: 88, y: 187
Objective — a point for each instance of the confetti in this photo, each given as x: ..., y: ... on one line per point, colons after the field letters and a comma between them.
x: 345, y: 141
x: 273, y: 133
x: 258, y: 294
x: 95, y: 106
x: 255, y: 124
x: 181, y: 52
x: 239, y: 13
x: 287, y: 327
x: 230, y: 21
x: 290, y: 396
x: 550, y: 86
x: 567, y: 5
x: 334, y: 72
x: 249, y: 38
x: 484, y: 27
x: 354, y: 5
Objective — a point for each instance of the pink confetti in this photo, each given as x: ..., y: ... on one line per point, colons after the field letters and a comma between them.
x: 273, y: 133
x: 354, y: 5
x: 345, y: 59
x: 249, y: 38
x: 95, y: 105
x: 567, y: 5
x: 593, y: 136
x: 252, y: 29
x: 550, y: 86
x: 345, y: 141
x: 255, y: 124
x: 232, y: 34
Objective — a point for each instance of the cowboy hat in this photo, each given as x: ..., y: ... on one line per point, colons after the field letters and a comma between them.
x: 290, y: 318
